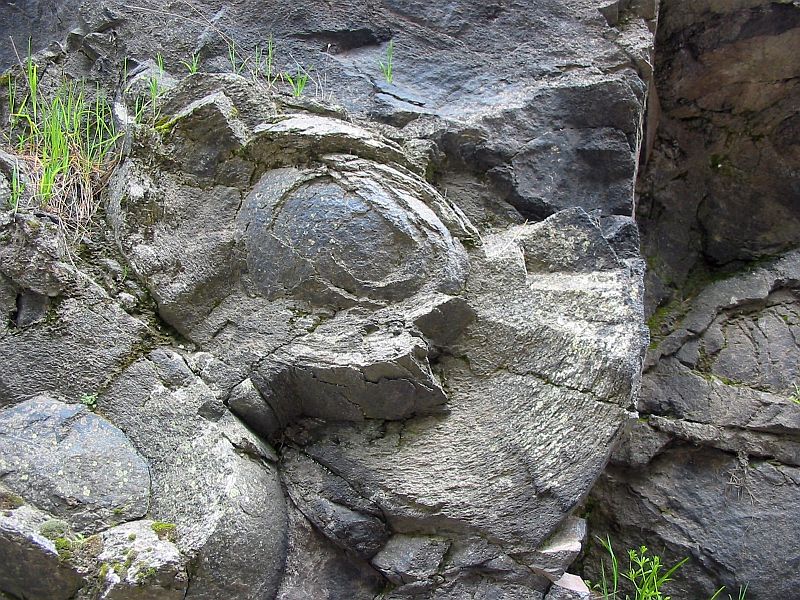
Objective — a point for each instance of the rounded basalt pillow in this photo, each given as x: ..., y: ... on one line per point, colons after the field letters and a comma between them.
x: 354, y: 235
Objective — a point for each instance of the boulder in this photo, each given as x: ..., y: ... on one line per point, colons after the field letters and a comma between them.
x: 73, y: 464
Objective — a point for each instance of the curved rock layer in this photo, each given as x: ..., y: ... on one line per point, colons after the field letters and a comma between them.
x: 374, y: 351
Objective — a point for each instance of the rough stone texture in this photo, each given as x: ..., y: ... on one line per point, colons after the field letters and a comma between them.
x: 332, y: 331
x: 728, y: 515
x: 56, y: 321
x: 212, y: 478
x: 569, y: 587
x: 724, y: 379
x: 442, y: 379
x: 148, y: 559
x: 721, y: 185
x: 316, y: 569
x: 25, y: 551
x: 72, y: 463
x: 705, y: 471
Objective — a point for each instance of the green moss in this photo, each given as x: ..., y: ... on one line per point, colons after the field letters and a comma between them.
x: 663, y: 320
x: 10, y: 501
x: 64, y: 548
x: 104, y: 570
x: 54, y: 529
x: 131, y: 537
x: 164, y: 530
x: 145, y: 575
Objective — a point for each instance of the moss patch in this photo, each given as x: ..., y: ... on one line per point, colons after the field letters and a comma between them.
x: 164, y: 530
x: 10, y: 501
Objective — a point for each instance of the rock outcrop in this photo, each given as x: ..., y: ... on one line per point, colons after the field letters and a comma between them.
x: 381, y: 349
x: 710, y: 471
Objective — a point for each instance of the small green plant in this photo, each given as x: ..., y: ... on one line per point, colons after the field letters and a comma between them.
x: 17, y: 188
x: 89, y: 400
x: 145, y: 575
x: 645, y: 573
x: 53, y: 529
x: 149, y: 107
x: 264, y: 63
x: 164, y: 530
x: 65, y: 144
x: 795, y: 396
x: 10, y: 500
x: 298, y: 82
x: 193, y: 64
x: 63, y: 547
x: 387, y: 68
x: 237, y: 64
x: 742, y: 595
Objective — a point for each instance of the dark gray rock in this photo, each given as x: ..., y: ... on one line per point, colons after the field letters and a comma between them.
x: 72, y: 463
x: 728, y: 515
x: 248, y: 404
x: 349, y: 520
x: 721, y: 182
x: 315, y: 568
x: 551, y: 172
x: 39, y: 23
x: 724, y: 380
x: 24, y: 551
x: 52, y: 355
x: 409, y: 559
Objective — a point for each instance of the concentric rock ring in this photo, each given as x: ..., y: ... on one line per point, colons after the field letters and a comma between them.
x: 346, y: 236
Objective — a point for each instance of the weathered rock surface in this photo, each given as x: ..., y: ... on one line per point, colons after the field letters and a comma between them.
x: 212, y: 478
x: 721, y: 186
x: 705, y: 470
x: 72, y: 463
x: 442, y: 380
x: 724, y: 379
x: 364, y: 259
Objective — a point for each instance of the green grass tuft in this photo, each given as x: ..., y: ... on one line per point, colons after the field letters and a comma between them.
x: 65, y: 145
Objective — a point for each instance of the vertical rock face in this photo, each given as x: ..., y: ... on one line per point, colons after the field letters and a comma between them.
x: 380, y: 349
x: 727, y: 143
x: 711, y: 471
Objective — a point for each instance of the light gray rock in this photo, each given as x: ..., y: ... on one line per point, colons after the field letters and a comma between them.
x: 33, y: 253
x: 140, y: 555
x: 72, y: 463
x: 569, y: 587
x: 560, y: 550
x: 212, y: 479
x: 349, y: 370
